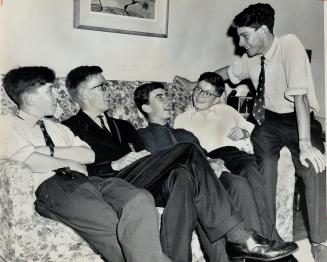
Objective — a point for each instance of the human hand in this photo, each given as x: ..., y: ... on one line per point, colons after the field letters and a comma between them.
x: 237, y: 133
x: 128, y: 159
x: 317, y: 159
x: 184, y: 83
x: 218, y: 166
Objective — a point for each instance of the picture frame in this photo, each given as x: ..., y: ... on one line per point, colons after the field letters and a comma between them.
x: 124, y: 17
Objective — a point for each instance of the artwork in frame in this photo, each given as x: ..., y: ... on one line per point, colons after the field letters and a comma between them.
x: 141, y: 17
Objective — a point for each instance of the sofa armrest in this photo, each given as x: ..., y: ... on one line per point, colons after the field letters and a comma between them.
x: 14, y: 179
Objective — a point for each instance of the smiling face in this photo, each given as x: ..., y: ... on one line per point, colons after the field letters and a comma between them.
x: 252, y: 40
x: 205, y: 95
x: 95, y: 93
x: 159, y: 107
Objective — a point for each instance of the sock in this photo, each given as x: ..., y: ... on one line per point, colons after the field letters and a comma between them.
x: 238, y: 234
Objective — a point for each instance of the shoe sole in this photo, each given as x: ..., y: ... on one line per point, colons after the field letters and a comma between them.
x: 264, y: 259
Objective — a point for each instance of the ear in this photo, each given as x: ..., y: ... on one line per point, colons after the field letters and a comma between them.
x: 146, y: 108
x: 82, y: 94
x: 263, y: 30
x: 28, y: 99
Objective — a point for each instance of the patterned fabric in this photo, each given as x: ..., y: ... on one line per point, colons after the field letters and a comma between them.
x: 47, y: 138
x: 285, y: 195
x: 26, y: 236
x: 258, y: 110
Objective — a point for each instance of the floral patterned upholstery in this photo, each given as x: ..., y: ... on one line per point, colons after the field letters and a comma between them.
x: 26, y: 236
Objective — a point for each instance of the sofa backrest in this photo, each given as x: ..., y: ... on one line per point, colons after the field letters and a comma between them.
x: 122, y: 103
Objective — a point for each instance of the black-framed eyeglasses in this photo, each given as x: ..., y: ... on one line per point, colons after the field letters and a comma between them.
x: 198, y: 90
x: 104, y: 86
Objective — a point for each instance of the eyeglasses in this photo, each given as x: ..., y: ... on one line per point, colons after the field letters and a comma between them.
x: 204, y: 93
x: 104, y: 86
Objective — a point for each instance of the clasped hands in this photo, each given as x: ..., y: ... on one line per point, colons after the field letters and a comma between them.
x: 237, y: 133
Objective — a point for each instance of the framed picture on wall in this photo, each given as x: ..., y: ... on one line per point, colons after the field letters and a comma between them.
x: 141, y: 17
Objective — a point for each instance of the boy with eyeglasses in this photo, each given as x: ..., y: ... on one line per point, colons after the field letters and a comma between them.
x: 213, y: 122
x: 224, y: 133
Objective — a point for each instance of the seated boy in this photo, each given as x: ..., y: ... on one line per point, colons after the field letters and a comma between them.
x: 119, y: 227
x: 223, y: 132
x: 153, y: 103
x: 183, y: 166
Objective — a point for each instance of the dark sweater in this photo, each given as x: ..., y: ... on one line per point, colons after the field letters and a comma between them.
x: 157, y: 137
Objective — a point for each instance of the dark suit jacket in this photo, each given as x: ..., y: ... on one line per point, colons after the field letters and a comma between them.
x: 107, y: 147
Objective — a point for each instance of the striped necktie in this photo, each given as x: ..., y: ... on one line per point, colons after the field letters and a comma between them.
x: 258, y: 110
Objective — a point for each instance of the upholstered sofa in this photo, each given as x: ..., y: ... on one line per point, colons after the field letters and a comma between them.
x: 26, y: 236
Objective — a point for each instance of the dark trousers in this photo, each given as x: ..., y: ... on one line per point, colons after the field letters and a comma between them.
x: 205, y: 201
x: 243, y: 198
x: 249, y: 196
x: 281, y: 130
x: 178, y: 192
x: 118, y: 220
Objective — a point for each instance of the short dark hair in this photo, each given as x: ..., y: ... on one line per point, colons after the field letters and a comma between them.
x: 215, y: 80
x: 141, y: 94
x: 77, y: 76
x: 255, y: 16
x: 26, y: 79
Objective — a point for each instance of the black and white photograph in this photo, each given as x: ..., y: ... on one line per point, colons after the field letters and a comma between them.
x: 141, y: 9
x: 146, y: 18
x: 163, y: 131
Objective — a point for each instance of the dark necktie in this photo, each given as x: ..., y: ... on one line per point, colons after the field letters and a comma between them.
x: 258, y: 110
x: 48, y: 141
x: 103, y: 126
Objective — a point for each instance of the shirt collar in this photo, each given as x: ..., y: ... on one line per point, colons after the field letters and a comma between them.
x: 271, y: 50
x: 203, y: 113
x: 155, y: 125
x: 28, y: 118
x: 92, y: 116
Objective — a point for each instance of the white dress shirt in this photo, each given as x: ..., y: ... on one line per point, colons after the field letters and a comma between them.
x: 19, y: 135
x: 212, y: 126
x: 287, y: 73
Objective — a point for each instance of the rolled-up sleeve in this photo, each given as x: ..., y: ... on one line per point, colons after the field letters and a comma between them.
x: 298, y: 72
x: 295, y: 67
x: 238, y: 70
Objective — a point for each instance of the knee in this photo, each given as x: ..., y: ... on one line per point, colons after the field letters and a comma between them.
x: 142, y: 199
x: 238, y: 186
x: 241, y: 184
x: 190, y: 146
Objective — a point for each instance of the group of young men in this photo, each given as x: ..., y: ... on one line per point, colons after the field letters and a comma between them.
x: 103, y: 178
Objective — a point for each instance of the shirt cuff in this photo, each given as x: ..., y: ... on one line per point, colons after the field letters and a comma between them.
x: 235, y: 80
x: 249, y: 128
x: 291, y: 92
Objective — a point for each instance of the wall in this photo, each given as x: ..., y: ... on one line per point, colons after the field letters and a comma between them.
x: 40, y: 32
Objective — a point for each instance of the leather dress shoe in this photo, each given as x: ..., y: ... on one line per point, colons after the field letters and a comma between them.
x: 260, y: 248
